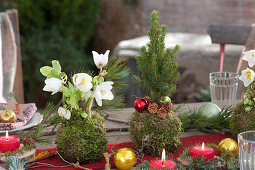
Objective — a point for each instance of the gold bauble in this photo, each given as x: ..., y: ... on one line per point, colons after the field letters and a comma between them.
x: 230, y: 145
x: 8, y: 116
x: 124, y: 159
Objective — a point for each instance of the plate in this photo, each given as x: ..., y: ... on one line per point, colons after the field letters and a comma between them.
x: 36, y: 120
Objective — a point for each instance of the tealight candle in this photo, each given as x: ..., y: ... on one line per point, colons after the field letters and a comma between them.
x: 163, y: 163
x: 9, y: 143
x: 202, y: 151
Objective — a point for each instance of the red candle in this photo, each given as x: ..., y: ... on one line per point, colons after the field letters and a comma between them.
x: 163, y: 163
x: 9, y: 143
x: 202, y: 151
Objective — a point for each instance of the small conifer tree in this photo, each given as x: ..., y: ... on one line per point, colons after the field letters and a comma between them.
x: 157, y: 127
x: 157, y: 66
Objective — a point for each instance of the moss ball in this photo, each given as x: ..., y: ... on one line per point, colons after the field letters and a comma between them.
x: 82, y: 140
x: 242, y: 120
x: 151, y: 133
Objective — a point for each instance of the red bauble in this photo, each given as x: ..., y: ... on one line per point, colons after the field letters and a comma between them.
x: 140, y: 105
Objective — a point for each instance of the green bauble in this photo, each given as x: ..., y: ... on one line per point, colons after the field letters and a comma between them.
x: 242, y: 119
x: 209, y: 110
x: 151, y: 133
x: 82, y: 140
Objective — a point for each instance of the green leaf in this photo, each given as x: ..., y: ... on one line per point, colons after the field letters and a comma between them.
x: 71, y: 87
x: 77, y: 95
x: 62, y: 74
x: 66, y: 91
x: 46, y: 70
x: 53, y: 73
x: 56, y: 66
x: 72, y: 101
x: 84, y: 114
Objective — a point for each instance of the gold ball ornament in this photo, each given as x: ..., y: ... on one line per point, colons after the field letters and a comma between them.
x: 230, y: 145
x: 124, y: 159
x: 8, y: 116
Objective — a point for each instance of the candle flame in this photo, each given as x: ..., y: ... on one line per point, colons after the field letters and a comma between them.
x: 203, y: 146
x: 163, y: 155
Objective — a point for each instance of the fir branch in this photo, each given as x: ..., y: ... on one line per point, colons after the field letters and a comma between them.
x: 19, y: 151
x: 196, y: 119
x: 116, y: 72
x: 14, y: 163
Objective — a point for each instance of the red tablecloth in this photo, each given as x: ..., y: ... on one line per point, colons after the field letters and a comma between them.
x: 186, y: 141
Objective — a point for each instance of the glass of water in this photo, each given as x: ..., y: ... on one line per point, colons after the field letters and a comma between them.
x: 246, y: 144
x: 223, y: 87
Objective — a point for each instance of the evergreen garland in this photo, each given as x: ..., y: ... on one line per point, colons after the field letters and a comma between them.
x: 157, y: 65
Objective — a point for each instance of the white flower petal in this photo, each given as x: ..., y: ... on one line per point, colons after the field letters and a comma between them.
x: 98, y: 96
x: 52, y: 85
x: 249, y: 56
x: 100, y: 60
x: 61, y: 111
x: 247, y: 77
x: 82, y: 81
x: 67, y: 114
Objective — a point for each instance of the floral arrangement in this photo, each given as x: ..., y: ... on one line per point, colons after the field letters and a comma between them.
x: 83, y: 86
x: 247, y: 77
x: 81, y: 134
x: 243, y: 116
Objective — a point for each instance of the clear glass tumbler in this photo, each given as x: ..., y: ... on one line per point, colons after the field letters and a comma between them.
x: 223, y: 87
x: 246, y: 144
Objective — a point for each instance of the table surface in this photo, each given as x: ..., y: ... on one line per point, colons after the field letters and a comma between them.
x: 116, y: 120
x: 116, y: 123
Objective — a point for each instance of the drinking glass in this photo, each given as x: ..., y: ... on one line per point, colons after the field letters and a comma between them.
x: 223, y: 87
x: 246, y: 145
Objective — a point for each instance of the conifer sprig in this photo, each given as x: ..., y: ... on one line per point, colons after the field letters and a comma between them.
x: 157, y: 65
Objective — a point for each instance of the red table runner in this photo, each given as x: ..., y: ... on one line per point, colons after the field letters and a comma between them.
x: 186, y: 141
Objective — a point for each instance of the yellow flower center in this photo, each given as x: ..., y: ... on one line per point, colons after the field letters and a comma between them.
x: 252, y: 55
x: 248, y: 75
x: 82, y: 81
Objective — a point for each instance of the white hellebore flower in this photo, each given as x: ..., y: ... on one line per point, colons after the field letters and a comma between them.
x: 52, y: 85
x: 62, y: 112
x: 247, y: 77
x: 82, y: 81
x: 250, y: 57
x: 100, y: 59
x: 103, y: 91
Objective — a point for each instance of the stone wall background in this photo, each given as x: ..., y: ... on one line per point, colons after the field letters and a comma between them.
x: 195, y: 16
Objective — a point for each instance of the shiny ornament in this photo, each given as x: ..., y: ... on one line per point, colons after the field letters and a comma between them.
x: 165, y: 98
x: 230, y: 145
x: 8, y: 116
x: 140, y: 104
x: 124, y: 159
x: 209, y: 110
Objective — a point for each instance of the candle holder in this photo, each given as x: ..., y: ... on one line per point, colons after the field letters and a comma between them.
x: 223, y: 159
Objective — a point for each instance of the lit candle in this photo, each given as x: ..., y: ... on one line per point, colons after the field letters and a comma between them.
x: 163, y: 163
x: 202, y: 151
x: 9, y: 143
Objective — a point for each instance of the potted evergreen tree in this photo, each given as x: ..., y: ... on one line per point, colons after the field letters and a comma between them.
x: 154, y: 125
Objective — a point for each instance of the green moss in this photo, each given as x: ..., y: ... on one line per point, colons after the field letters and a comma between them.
x: 241, y: 120
x: 151, y: 133
x: 82, y: 140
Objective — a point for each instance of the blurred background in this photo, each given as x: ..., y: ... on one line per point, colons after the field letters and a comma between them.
x: 69, y: 30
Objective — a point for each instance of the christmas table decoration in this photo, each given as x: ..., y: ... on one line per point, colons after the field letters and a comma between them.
x: 14, y: 115
x: 163, y: 163
x: 202, y: 152
x: 81, y: 134
x: 154, y: 125
x: 244, y: 113
x: 124, y: 159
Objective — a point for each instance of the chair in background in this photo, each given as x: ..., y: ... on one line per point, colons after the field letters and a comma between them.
x: 11, y: 55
